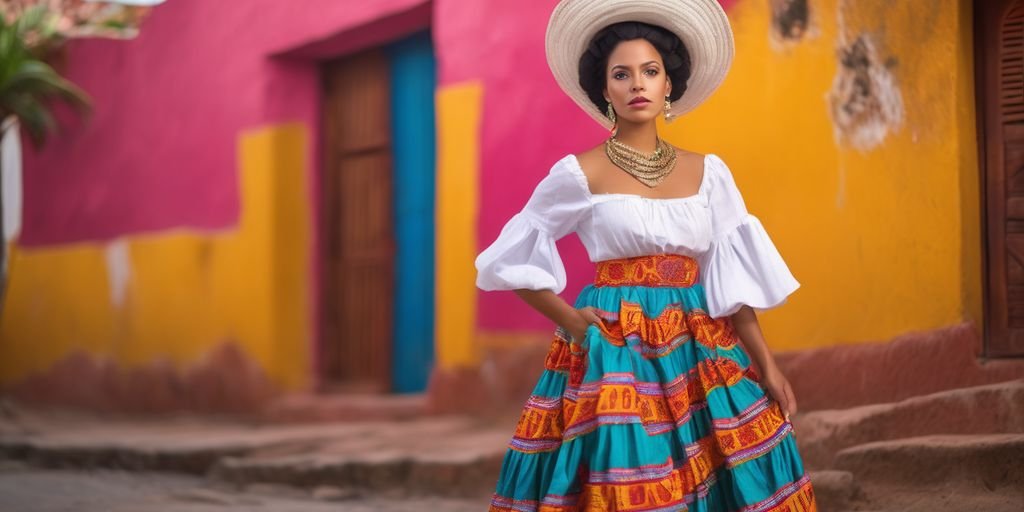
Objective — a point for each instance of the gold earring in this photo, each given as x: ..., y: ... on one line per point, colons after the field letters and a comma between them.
x: 668, y: 109
x: 610, y: 113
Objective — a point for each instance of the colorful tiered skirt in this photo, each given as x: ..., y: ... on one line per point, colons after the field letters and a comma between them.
x: 656, y: 409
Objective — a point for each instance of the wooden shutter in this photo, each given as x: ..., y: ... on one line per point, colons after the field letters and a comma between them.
x: 1000, y: 50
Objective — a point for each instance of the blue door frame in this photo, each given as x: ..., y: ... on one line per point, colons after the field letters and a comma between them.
x: 413, y: 149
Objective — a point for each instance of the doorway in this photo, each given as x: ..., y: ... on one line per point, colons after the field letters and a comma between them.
x: 378, y: 218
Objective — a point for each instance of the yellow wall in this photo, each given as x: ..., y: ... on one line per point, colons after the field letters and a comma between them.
x: 187, y: 292
x: 884, y: 240
x: 458, y: 129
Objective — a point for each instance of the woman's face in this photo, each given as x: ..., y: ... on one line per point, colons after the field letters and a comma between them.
x: 635, y: 72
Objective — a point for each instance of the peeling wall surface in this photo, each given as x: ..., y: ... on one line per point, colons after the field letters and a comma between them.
x: 181, y: 219
x: 175, y: 296
x: 849, y: 126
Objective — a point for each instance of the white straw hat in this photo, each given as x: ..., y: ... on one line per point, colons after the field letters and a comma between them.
x: 702, y: 25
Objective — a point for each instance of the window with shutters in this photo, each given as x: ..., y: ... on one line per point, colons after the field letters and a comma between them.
x: 999, y: 45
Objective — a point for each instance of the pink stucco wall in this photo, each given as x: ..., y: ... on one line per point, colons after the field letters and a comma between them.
x: 159, y: 150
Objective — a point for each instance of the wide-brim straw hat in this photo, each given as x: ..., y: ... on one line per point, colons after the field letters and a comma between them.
x: 702, y: 25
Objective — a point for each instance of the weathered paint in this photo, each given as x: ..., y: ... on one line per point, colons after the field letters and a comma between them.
x: 154, y: 171
x: 177, y: 295
x: 884, y: 240
x: 224, y: 380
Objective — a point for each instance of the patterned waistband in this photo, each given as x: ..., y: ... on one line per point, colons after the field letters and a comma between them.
x: 651, y: 270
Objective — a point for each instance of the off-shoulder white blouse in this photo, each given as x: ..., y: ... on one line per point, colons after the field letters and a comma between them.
x: 739, y: 264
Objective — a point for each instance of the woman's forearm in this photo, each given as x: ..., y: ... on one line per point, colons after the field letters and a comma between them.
x: 554, y: 308
x: 747, y: 328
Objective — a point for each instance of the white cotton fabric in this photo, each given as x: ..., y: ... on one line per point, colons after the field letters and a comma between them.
x: 739, y: 264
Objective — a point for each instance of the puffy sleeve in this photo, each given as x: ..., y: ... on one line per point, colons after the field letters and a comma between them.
x: 524, y: 254
x: 742, y: 266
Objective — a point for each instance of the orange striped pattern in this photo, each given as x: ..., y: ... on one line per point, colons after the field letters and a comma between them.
x: 547, y: 423
x: 668, y: 486
x: 671, y: 327
x: 563, y: 418
x: 652, y: 270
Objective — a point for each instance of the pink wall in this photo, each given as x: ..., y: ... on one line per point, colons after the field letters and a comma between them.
x: 159, y: 149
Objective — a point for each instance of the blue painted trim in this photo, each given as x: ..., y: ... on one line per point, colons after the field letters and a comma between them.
x: 414, y: 150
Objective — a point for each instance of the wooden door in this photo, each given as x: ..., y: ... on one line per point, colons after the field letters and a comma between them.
x: 359, y: 237
x: 999, y: 49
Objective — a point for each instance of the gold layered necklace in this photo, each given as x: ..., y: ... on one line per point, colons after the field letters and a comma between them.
x: 649, y: 168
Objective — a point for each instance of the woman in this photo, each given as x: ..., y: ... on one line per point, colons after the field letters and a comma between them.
x: 648, y: 400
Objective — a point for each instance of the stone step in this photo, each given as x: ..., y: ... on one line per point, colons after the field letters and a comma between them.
x: 427, y: 452
x: 834, y: 490
x: 993, y: 462
x: 466, y: 466
x: 305, y: 408
x: 884, y: 498
x: 180, y: 446
x: 990, y: 409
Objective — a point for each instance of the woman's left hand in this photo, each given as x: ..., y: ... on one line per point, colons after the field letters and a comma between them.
x: 778, y: 387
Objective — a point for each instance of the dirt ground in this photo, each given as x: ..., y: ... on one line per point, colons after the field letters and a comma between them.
x: 24, y: 489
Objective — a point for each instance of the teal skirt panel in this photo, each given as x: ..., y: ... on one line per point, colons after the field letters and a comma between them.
x: 657, y: 408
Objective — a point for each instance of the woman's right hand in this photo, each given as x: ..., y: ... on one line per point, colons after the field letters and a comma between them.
x: 577, y: 326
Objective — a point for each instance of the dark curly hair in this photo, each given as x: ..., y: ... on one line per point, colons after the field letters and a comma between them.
x: 595, y: 59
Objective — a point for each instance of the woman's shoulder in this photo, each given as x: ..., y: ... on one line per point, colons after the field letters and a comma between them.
x: 566, y: 173
x: 714, y: 166
x: 590, y: 158
x: 695, y: 157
